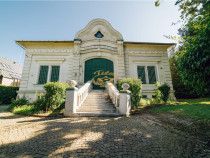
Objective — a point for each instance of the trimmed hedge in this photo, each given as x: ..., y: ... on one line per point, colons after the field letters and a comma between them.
x: 55, y: 94
x: 135, y: 88
x: 7, y: 93
x: 164, y: 90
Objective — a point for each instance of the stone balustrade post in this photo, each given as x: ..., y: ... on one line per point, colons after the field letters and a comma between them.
x: 71, y: 99
x: 125, y: 100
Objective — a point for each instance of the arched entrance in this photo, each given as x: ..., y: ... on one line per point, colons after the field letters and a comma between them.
x: 99, y: 70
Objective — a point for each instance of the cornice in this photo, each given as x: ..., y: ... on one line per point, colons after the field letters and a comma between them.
x: 146, y: 52
x: 50, y: 50
x: 98, y: 48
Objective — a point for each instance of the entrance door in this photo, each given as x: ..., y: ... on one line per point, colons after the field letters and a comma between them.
x: 99, y: 70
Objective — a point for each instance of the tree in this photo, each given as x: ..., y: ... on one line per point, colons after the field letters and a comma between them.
x: 193, y: 55
x: 181, y: 91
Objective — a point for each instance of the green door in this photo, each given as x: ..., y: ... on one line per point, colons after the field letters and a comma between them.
x: 99, y: 70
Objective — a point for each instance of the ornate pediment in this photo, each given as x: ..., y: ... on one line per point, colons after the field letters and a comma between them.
x: 99, y: 29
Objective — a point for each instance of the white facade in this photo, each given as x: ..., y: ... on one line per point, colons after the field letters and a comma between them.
x: 72, y: 55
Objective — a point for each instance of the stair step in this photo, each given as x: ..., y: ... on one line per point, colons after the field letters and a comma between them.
x: 90, y: 114
x: 97, y: 103
x: 96, y: 97
x: 97, y: 110
x: 97, y: 107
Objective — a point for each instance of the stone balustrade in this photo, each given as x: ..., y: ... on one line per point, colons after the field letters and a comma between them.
x: 121, y: 99
x: 75, y: 97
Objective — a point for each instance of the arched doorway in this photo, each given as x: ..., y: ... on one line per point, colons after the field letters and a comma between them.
x: 99, y: 70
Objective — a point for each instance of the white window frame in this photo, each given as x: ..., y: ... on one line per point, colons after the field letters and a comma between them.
x: 146, y: 71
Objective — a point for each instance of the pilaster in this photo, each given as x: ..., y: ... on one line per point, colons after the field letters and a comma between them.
x: 76, y: 61
x: 120, y: 60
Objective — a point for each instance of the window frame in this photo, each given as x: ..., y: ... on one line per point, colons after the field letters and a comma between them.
x: 145, y: 65
x: 50, y: 77
x: 39, y: 74
x: 49, y: 73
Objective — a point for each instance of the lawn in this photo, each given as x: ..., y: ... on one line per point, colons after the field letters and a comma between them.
x: 198, y: 109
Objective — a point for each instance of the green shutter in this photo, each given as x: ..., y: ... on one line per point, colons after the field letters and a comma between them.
x: 151, y: 74
x: 43, y: 74
x: 141, y: 74
x: 55, y: 73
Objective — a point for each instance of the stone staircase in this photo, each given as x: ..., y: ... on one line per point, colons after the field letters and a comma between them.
x: 97, y: 103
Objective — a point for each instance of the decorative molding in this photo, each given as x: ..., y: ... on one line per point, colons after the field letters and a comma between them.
x: 88, y: 32
x: 50, y: 50
x: 146, y: 60
x: 59, y: 60
x: 98, y: 48
x: 147, y: 52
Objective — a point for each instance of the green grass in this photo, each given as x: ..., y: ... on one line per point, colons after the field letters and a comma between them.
x: 32, y: 109
x: 25, y: 109
x: 198, y: 109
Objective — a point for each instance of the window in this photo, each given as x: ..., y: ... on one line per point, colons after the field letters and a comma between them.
x: 147, y: 74
x: 141, y: 74
x: 55, y: 74
x: 99, y: 35
x: 51, y: 71
x: 43, y: 74
x: 48, y: 73
x: 151, y: 74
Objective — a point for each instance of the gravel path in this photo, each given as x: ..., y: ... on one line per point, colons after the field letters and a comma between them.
x: 137, y: 136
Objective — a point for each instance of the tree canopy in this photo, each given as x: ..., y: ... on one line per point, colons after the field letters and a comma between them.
x: 193, y: 55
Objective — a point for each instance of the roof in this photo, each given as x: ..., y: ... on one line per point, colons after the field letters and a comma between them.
x: 148, y: 43
x: 10, y: 69
x: 21, y: 42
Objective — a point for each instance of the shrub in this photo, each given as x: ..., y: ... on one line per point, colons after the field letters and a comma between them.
x: 145, y: 101
x: 18, y: 102
x: 40, y: 103
x: 135, y: 88
x: 158, y: 93
x: 164, y: 90
x: 7, y: 93
x: 55, y: 94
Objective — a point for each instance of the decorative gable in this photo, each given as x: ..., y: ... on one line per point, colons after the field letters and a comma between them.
x: 99, y: 29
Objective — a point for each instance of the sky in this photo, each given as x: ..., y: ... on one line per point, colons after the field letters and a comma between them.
x: 138, y: 21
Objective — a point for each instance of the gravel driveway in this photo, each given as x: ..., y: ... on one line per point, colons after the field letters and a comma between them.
x: 136, y: 136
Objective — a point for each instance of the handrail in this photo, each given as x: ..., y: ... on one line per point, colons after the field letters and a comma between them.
x: 113, y: 93
x: 83, y: 93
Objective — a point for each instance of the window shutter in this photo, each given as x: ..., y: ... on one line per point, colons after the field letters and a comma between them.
x: 55, y: 73
x: 141, y: 74
x: 151, y: 74
x: 43, y: 74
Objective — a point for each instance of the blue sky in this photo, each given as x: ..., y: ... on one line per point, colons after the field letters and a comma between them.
x: 61, y: 20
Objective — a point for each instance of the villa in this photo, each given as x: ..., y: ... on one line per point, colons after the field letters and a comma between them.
x: 97, y: 50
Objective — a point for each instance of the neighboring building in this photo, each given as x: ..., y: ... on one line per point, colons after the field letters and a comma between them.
x: 96, y: 47
x: 10, y: 72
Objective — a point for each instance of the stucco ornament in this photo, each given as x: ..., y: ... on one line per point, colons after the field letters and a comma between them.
x: 72, y: 83
x: 125, y: 86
